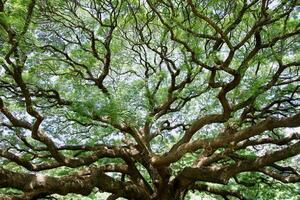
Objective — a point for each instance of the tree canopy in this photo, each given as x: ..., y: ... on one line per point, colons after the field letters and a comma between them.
x: 149, y: 100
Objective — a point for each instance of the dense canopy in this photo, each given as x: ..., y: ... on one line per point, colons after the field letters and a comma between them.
x: 149, y: 99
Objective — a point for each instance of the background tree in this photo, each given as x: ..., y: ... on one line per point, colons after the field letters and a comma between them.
x: 149, y: 99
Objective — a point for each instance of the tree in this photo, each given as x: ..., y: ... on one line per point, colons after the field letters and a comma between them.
x: 149, y: 99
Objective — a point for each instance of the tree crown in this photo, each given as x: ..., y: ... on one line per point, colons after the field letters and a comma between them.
x: 149, y: 99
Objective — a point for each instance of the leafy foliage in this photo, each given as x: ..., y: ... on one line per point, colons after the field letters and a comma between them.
x: 149, y: 99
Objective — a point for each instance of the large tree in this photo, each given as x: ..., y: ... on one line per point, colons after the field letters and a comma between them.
x: 149, y: 99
